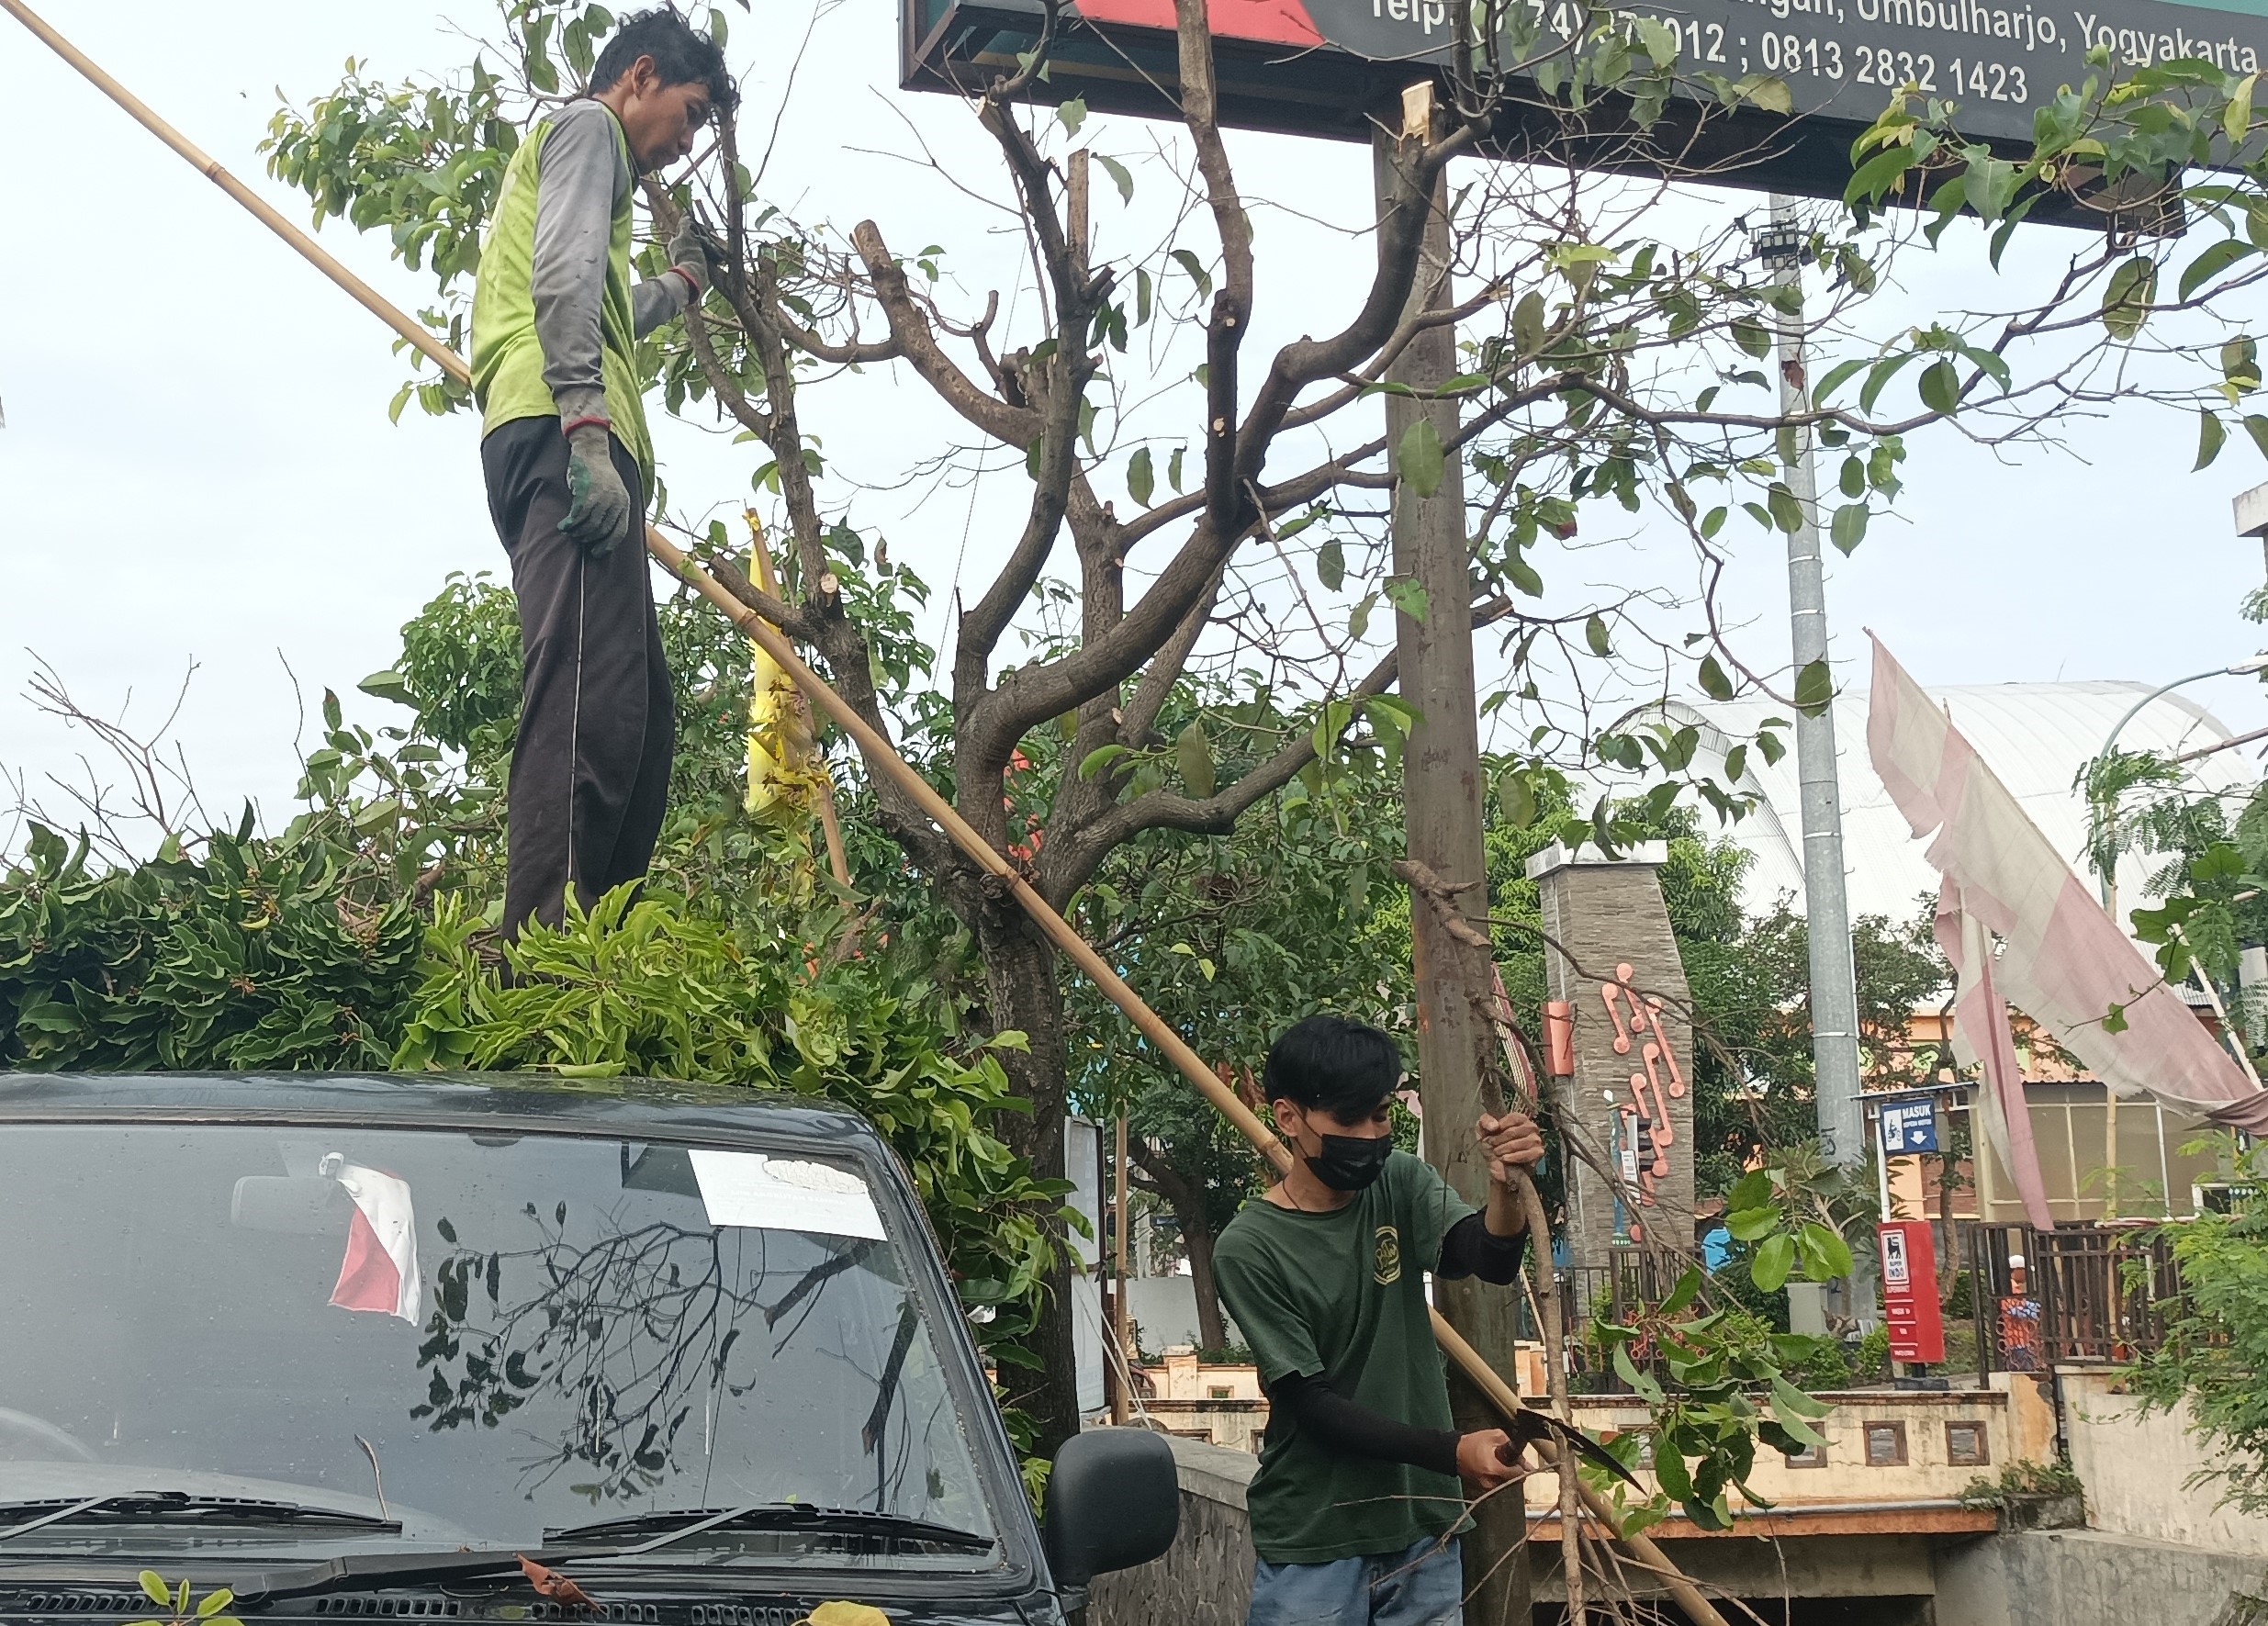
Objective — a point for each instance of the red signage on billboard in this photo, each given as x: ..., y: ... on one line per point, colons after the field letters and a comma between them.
x: 1910, y: 1290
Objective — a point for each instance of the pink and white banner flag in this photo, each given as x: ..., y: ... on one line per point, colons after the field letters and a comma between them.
x: 2061, y: 961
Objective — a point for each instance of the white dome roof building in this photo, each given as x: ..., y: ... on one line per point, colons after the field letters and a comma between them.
x: 2035, y: 736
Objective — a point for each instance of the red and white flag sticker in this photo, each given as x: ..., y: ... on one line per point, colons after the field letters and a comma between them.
x: 381, y: 1269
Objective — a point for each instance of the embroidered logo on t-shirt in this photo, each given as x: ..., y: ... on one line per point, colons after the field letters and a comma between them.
x: 1386, y: 1262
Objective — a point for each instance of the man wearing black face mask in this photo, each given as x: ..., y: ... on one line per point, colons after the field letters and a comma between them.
x: 1357, y: 1503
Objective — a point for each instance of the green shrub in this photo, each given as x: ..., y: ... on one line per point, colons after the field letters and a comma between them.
x: 2022, y: 1479
x: 252, y: 954
x: 1871, y: 1360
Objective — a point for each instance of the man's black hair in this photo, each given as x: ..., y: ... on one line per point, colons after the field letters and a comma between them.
x: 681, y: 55
x: 1331, y: 1063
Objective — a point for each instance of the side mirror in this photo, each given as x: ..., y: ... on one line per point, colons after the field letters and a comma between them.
x: 1113, y: 1502
x: 304, y: 1207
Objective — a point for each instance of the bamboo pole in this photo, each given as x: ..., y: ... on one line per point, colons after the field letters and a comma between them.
x: 881, y: 758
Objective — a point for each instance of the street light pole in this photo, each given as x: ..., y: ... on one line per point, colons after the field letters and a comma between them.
x: 1826, y: 909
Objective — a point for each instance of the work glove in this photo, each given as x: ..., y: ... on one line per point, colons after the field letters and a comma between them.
x: 598, y: 503
x: 689, y: 252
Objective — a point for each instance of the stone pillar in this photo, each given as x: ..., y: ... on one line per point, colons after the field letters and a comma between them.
x: 1611, y: 956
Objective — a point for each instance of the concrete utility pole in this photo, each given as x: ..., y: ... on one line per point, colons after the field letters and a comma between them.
x: 1826, y: 911
x: 1441, y: 812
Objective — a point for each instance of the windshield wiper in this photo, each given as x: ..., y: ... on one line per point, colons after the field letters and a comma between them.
x: 170, y: 1507
x: 676, y: 1523
x: 406, y: 1569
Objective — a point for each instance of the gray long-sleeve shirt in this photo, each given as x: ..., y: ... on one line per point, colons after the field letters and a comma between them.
x: 585, y: 177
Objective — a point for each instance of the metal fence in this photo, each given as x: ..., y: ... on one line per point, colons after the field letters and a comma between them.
x: 2090, y: 1293
x: 1637, y: 1277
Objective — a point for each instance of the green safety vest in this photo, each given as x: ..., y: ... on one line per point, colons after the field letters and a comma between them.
x: 507, y: 362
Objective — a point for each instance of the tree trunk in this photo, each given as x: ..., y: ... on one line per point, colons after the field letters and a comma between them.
x: 1025, y: 993
x: 1440, y: 795
x: 1212, y: 1330
x: 1186, y: 1198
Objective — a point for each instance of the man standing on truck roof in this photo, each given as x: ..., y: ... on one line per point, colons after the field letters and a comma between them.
x: 1357, y: 1505
x: 569, y: 466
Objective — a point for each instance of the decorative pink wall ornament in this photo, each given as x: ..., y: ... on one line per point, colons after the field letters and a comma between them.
x: 1610, y: 996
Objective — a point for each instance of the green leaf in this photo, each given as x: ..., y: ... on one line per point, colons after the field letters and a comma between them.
x: 216, y: 1601
x: 1815, y: 689
x: 1099, y: 759
x: 1684, y: 1293
x: 1769, y: 95
x: 154, y: 1589
x: 1172, y: 467
x: 1595, y: 634
x: 1530, y: 323
x: 2237, y: 117
x: 389, y: 685
x: 1848, y: 528
x: 1669, y: 1471
x: 1197, y: 273
x: 2212, y: 262
x: 1879, y: 172
x: 1879, y: 377
x: 1752, y: 1224
x: 1422, y: 460
x: 1786, y: 512
x: 1516, y: 800
x: 1406, y: 595
x: 1641, y: 1383
x: 1774, y: 1258
x: 1714, y: 682
x: 2240, y: 362
x: 2127, y: 297
x: 1787, y: 1399
x: 1831, y: 1252
x: 1752, y: 335
x: 1331, y: 565
x: 1074, y: 113
x: 1119, y: 177
x: 1193, y: 755
x: 1795, y: 1432
x: 1941, y: 387
x: 1140, y: 480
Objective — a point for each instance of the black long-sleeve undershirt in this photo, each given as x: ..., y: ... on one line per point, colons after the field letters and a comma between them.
x: 1470, y: 1249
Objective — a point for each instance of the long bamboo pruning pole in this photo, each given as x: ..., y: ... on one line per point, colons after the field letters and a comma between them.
x: 882, y: 759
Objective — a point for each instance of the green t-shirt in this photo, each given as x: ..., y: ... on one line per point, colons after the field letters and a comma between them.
x: 1341, y: 1297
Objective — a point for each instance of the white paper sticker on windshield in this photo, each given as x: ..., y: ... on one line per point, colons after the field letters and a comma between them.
x: 753, y: 1188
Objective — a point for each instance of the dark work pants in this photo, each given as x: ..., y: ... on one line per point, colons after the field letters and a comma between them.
x: 590, y: 768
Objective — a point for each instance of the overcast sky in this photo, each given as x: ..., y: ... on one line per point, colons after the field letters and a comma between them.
x: 198, y: 468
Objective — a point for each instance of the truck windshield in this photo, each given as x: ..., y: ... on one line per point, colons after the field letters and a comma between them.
x: 478, y: 1339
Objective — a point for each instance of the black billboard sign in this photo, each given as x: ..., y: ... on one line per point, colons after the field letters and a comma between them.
x: 1326, y: 67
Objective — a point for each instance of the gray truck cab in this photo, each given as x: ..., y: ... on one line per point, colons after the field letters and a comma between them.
x: 359, y: 1344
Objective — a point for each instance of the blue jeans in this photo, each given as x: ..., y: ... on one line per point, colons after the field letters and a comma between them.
x: 1421, y: 1586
